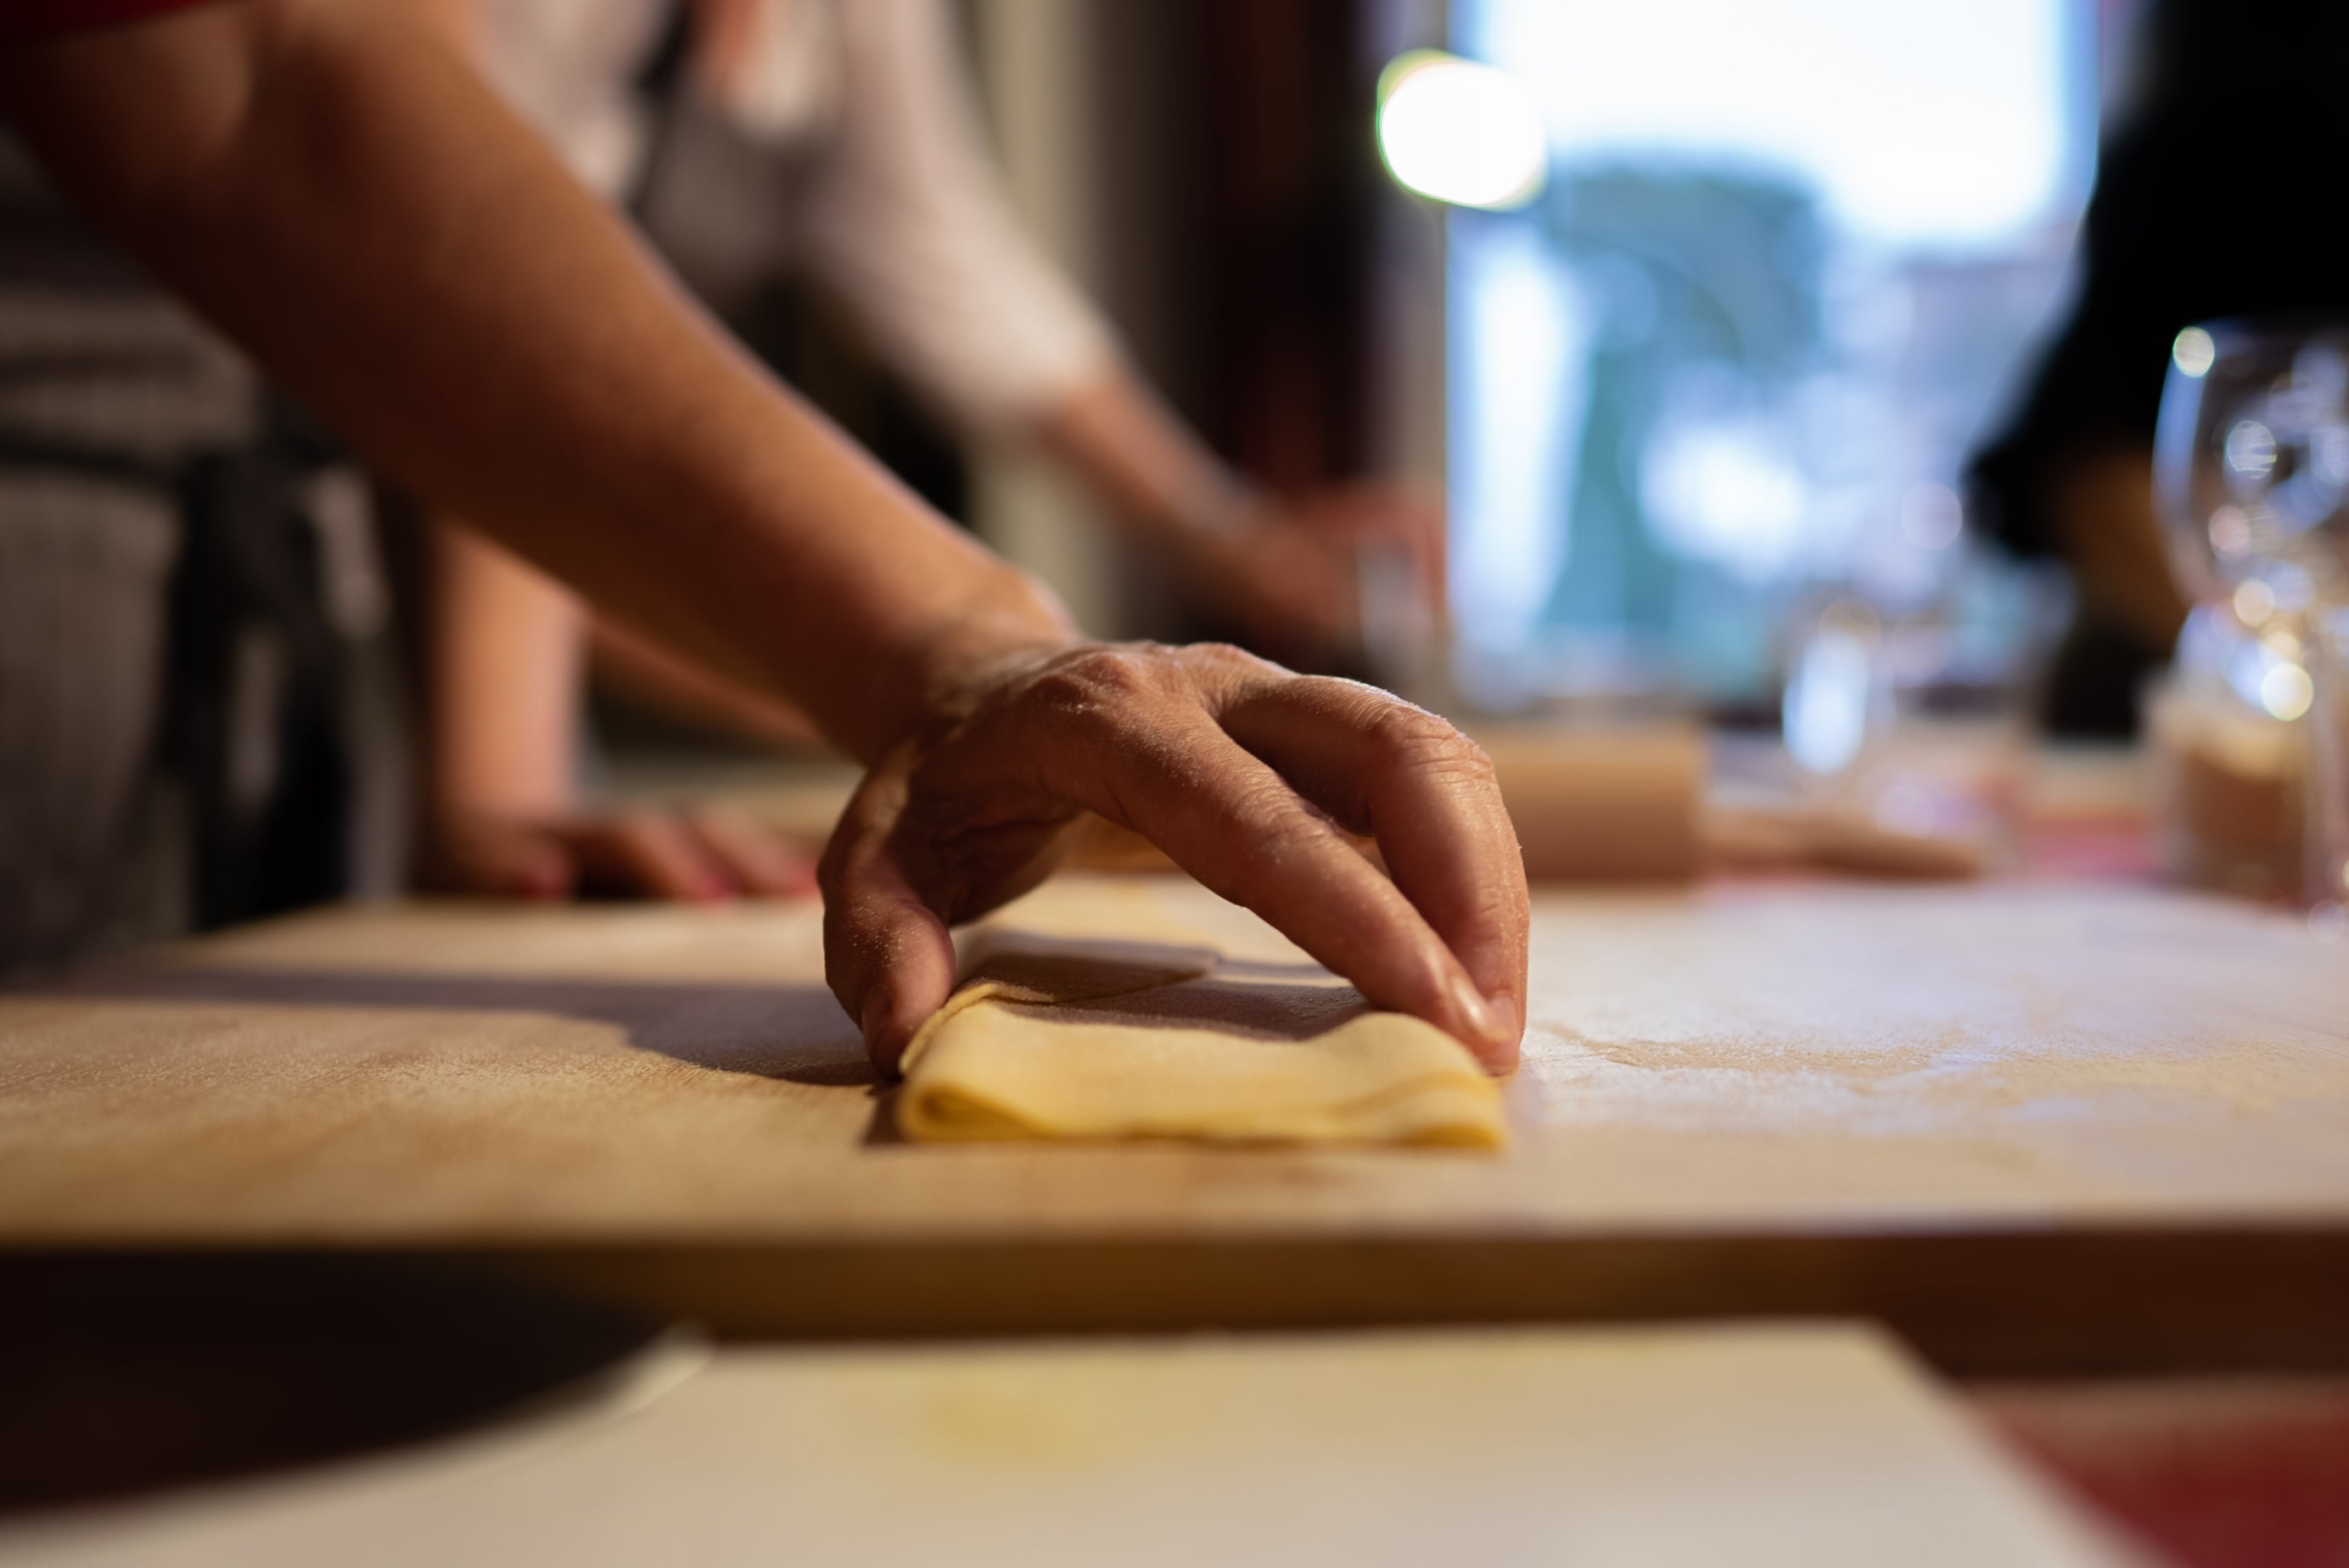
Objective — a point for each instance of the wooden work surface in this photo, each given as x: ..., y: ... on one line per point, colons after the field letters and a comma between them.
x: 2031, y: 1128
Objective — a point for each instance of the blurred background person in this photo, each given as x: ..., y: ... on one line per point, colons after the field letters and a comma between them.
x: 2209, y: 202
x: 865, y: 166
x: 198, y: 683
x: 1705, y: 390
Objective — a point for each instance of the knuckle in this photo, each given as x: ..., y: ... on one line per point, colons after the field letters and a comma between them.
x: 1221, y: 674
x: 1120, y: 700
x: 1101, y: 676
x: 1414, y: 740
x: 1226, y: 659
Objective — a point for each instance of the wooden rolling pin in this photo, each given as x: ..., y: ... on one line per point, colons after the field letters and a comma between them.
x: 1621, y: 804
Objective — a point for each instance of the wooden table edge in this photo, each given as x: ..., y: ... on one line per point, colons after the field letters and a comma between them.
x: 2070, y: 1300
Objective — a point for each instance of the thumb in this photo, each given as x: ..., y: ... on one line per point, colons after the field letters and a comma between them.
x: 888, y: 957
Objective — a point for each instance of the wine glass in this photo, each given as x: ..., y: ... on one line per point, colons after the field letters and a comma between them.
x: 2251, y: 469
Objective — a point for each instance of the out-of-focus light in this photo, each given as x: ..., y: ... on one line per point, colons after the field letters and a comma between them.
x: 2293, y: 588
x: 2193, y: 352
x: 2230, y: 532
x: 2286, y: 691
x: 1461, y: 132
x: 2254, y: 602
x: 2328, y: 454
x: 1855, y: 617
x: 2250, y: 452
x: 1932, y: 516
x: 1729, y: 492
x: 1829, y: 691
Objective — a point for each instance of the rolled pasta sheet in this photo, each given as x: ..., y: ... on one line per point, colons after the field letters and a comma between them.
x: 1060, y: 1038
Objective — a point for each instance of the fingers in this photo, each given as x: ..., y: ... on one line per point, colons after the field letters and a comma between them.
x: 491, y: 857
x: 752, y: 858
x: 1112, y: 729
x: 888, y: 958
x: 534, y: 866
x: 709, y: 855
x: 648, y: 854
x: 1242, y: 773
x: 1431, y: 544
x: 1299, y: 586
x: 1423, y: 790
x: 1241, y: 831
x: 1401, y: 515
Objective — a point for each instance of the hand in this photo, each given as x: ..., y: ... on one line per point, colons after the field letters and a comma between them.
x: 702, y: 855
x: 1290, y: 569
x: 1293, y: 568
x: 1242, y: 772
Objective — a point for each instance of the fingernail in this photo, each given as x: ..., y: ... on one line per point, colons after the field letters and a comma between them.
x: 1512, y: 1032
x: 1511, y: 1014
x: 1476, y: 1011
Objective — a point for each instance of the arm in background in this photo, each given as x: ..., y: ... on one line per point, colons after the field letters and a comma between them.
x: 909, y: 222
x: 507, y: 652
x: 503, y: 650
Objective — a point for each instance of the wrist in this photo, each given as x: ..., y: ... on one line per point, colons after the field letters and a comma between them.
x: 945, y: 663
x: 1218, y: 506
x: 1214, y: 511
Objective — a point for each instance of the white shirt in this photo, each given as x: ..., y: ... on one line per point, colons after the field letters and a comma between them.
x: 898, y: 212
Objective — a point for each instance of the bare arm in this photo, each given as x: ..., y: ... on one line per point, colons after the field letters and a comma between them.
x: 339, y: 191
x: 502, y: 815
x: 1290, y: 567
x: 628, y: 662
x: 905, y: 219
x: 504, y: 646
x: 503, y: 658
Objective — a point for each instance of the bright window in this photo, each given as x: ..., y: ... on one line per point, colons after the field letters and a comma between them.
x: 1790, y: 254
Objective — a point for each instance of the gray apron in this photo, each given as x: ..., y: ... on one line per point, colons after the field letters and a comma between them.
x: 197, y: 705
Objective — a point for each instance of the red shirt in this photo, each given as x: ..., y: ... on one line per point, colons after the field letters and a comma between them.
x: 21, y: 21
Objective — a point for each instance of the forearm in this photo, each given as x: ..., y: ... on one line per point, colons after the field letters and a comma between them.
x: 339, y: 192
x: 1143, y: 463
x: 1292, y: 569
x: 502, y: 674
x: 626, y: 660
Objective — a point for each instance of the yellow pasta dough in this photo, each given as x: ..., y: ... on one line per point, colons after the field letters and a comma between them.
x: 1053, y: 1037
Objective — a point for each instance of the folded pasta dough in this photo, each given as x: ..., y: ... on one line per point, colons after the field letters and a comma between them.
x: 1067, y: 1038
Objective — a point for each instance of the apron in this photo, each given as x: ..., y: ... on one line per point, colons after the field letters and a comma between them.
x: 198, y: 705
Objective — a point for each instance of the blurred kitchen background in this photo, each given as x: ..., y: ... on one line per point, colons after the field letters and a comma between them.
x: 1695, y: 313
x: 1716, y: 375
